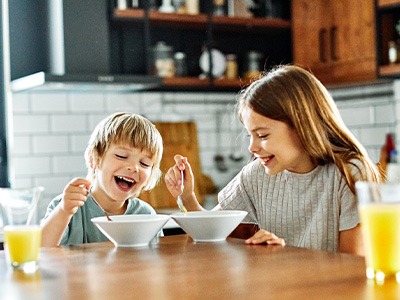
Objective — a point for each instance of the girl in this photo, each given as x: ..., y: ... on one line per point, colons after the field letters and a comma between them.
x: 300, y: 187
x: 123, y: 158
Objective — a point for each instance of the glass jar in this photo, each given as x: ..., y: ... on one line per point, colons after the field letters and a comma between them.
x: 180, y: 64
x: 231, y: 71
x: 253, y: 64
x: 163, y: 59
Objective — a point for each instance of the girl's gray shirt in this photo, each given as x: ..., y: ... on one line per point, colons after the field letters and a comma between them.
x: 306, y: 210
x: 82, y: 230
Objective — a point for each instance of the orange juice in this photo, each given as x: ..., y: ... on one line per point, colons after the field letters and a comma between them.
x: 22, y: 243
x: 380, y: 224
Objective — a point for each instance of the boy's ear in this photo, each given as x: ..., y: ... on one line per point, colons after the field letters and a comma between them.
x: 93, y: 161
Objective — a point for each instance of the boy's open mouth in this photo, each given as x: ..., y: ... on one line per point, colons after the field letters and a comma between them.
x: 124, y: 182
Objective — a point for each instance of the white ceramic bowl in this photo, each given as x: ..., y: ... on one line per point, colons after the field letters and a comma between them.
x: 131, y: 230
x: 209, y: 226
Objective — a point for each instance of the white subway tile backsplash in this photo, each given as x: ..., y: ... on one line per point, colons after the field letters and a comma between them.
x: 54, y: 184
x: 374, y: 136
x: 30, y: 124
x: 385, y: 114
x: 20, y: 102
x: 86, y: 102
x: 68, y: 123
x: 94, y: 119
x: 49, y: 102
x: 22, y: 182
x: 21, y: 145
x: 78, y: 143
x: 64, y: 164
x: 123, y: 102
x: 151, y: 104
x: 356, y: 116
x: 50, y: 144
x: 31, y: 165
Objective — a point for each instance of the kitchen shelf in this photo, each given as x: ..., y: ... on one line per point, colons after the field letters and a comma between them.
x: 205, y: 83
x: 389, y: 70
x: 201, y: 20
x: 136, y: 31
x: 388, y: 14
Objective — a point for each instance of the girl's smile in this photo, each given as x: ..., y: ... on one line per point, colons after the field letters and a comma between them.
x: 275, y: 144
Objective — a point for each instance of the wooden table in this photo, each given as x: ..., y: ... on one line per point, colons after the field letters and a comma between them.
x: 178, y: 268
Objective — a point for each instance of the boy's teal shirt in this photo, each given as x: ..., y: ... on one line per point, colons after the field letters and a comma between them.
x: 82, y: 230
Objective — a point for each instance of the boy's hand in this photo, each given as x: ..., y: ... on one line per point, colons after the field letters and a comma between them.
x: 263, y: 236
x: 173, y: 177
x: 74, y: 195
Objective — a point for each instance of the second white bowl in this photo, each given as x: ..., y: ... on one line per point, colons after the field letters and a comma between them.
x: 209, y: 226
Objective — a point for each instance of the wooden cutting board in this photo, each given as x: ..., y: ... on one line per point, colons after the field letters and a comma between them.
x: 179, y: 138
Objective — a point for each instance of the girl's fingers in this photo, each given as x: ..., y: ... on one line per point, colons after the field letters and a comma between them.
x: 263, y: 236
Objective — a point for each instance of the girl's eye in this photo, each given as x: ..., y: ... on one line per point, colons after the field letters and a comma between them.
x: 120, y: 156
x: 263, y: 136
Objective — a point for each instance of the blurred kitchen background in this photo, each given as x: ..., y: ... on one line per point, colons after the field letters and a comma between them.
x: 48, y: 127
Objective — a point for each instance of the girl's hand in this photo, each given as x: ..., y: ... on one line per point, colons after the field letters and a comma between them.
x: 173, y: 178
x: 74, y: 195
x: 263, y: 236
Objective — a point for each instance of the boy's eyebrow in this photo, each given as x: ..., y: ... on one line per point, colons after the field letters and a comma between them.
x: 128, y: 148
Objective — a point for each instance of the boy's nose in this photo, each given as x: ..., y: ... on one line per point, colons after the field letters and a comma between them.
x: 134, y: 169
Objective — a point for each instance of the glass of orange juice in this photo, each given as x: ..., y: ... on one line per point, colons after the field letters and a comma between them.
x: 379, y: 210
x: 22, y: 233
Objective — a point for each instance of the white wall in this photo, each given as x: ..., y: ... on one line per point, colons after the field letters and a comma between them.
x: 51, y: 129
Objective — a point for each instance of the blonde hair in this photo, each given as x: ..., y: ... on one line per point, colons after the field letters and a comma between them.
x: 126, y: 129
x: 293, y: 95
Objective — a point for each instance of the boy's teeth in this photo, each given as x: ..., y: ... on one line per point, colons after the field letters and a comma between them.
x: 126, y: 179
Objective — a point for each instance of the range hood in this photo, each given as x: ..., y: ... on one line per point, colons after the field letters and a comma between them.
x: 79, y: 57
x: 42, y: 81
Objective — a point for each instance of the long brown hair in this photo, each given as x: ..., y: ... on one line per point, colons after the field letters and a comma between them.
x: 293, y: 95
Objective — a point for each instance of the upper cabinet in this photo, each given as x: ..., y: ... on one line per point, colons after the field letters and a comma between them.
x: 388, y: 28
x: 208, y: 43
x: 335, y: 39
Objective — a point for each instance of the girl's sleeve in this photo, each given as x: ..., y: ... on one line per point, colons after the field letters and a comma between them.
x: 237, y: 194
x: 349, y: 217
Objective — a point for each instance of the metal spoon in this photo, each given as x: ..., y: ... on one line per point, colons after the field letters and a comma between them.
x: 179, y: 201
x: 106, y: 213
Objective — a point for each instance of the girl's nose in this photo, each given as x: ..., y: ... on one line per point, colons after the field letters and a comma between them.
x: 253, y: 147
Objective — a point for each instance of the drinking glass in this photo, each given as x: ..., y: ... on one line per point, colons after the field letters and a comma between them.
x: 379, y: 210
x: 22, y: 232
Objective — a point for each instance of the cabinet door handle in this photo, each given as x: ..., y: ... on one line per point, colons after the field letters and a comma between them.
x: 322, y: 43
x: 333, y: 32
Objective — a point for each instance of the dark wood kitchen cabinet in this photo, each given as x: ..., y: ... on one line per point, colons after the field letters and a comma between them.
x: 134, y: 32
x: 335, y: 39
